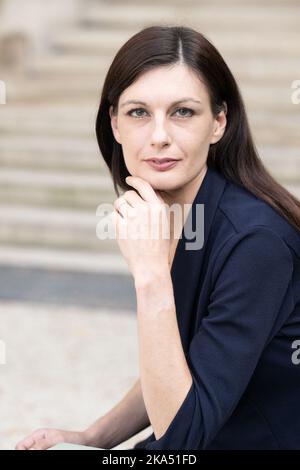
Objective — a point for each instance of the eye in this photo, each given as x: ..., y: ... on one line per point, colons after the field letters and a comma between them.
x: 178, y: 109
x: 186, y: 109
x: 134, y: 110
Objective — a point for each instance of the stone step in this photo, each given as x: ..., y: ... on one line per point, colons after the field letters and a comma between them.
x: 49, y: 119
x: 208, y: 17
x: 82, y: 155
x: 55, y: 189
x: 54, y: 228
x: 64, y: 131
x: 283, y: 163
x: 47, y: 153
x: 64, y: 65
x: 237, y: 42
x: 269, y: 96
x: 62, y: 259
x: 231, y: 4
x: 36, y: 90
x: 55, y: 179
x: 255, y: 69
x: 36, y: 185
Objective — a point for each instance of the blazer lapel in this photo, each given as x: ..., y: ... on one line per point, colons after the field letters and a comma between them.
x: 186, y: 271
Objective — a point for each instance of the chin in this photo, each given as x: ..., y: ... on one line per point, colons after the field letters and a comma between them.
x: 164, y: 183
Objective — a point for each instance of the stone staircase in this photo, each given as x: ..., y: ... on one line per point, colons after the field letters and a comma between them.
x: 52, y: 175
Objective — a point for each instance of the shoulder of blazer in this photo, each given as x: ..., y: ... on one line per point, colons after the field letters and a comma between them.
x: 246, y: 211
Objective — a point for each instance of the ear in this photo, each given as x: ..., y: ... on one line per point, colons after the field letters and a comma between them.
x: 114, y: 125
x: 219, y: 125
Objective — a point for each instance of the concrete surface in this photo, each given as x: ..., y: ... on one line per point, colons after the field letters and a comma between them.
x: 65, y: 367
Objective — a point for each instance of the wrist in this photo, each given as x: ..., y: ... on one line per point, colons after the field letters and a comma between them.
x: 146, y: 275
x: 95, y: 437
x: 89, y: 438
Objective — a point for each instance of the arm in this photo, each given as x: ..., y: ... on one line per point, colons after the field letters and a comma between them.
x: 126, y: 419
x: 141, y: 221
x: 250, y: 299
x: 165, y: 376
x: 122, y: 422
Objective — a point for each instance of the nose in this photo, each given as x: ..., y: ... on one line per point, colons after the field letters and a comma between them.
x: 160, y: 135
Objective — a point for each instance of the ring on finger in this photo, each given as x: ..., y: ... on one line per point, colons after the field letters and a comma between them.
x: 120, y: 205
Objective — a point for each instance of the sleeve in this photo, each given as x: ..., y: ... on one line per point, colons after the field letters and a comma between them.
x: 251, y: 280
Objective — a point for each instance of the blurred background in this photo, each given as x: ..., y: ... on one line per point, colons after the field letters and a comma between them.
x: 67, y: 303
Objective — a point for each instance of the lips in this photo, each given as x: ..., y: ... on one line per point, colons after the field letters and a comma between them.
x: 161, y: 160
x: 162, y: 164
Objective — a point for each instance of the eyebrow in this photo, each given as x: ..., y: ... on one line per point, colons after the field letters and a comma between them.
x: 182, y: 100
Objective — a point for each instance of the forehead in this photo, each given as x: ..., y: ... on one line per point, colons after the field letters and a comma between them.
x: 166, y: 84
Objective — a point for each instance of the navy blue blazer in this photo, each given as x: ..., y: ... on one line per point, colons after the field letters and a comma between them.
x: 238, y: 311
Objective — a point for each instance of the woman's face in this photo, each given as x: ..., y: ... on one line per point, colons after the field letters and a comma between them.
x: 154, y: 126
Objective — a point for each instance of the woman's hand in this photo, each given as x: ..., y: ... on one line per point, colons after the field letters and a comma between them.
x: 142, y: 228
x: 42, y: 439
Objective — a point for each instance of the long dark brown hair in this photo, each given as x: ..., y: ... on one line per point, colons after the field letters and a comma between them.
x: 234, y: 155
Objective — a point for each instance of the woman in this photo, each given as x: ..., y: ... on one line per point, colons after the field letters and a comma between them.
x: 218, y: 318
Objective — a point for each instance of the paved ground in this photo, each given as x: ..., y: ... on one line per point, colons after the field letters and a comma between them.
x: 65, y: 365
x: 54, y: 286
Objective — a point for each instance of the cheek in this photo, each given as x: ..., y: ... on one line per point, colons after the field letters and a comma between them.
x: 133, y: 136
x: 192, y: 142
x: 203, y: 130
x: 196, y: 132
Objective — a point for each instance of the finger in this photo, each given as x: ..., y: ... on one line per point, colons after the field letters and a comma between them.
x: 132, y: 198
x: 31, y: 439
x: 120, y: 225
x: 25, y: 443
x: 119, y: 205
x: 127, y: 211
x: 20, y: 446
x: 43, y: 444
x: 144, y: 188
